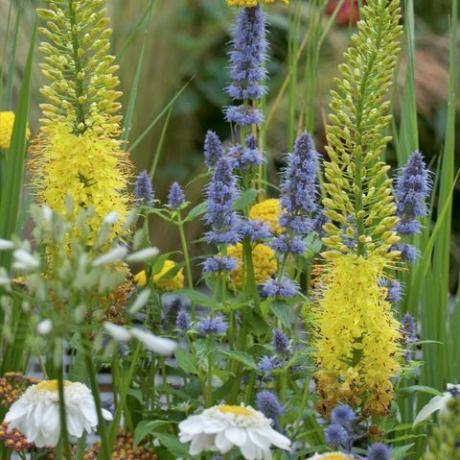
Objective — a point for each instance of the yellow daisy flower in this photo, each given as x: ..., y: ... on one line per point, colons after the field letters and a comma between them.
x: 268, y: 211
x: 6, y: 129
x: 163, y: 284
x: 263, y: 259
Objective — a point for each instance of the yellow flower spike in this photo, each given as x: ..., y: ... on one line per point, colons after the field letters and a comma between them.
x: 169, y: 284
x: 357, y: 343
x: 91, y: 169
x: 253, y: 3
x: 6, y: 129
x: 263, y: 259
x: 269, y: 212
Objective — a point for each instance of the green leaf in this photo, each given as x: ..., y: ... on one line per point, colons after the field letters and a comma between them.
x: 241, y: 357
x: 421, y: 389
x: 173, y: 445
x: 146, y: 427
x: 185, y: 361
x: 197, y: 297
x: 282, y: 312
x: 196, y: 211
x: 245, y: 199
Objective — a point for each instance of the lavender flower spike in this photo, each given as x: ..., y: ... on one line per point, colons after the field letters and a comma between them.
x: 143, y: 190
x: 299, y: 187
x: 216, y: 325
x: 412, y: 188
x: 379, y: 451
x: 284, y: 288
x: 268, y: 404
x: 248, y: 55
x: 213, y: 149
x: 176, y: 197
x: 221, y: 194
x: 247, y: 66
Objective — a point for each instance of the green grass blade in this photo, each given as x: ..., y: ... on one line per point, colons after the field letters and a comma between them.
x: 128, y: 121
x: 16, y: 158
x: 408, y: 135
x: 153, y: 123
x: 10, y: 80
x: 3, y: 58
x: 159, y: 148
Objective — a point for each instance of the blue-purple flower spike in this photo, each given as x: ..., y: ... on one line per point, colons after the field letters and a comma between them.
x: 213, y: 149
x: 336, y: 435
x: 268, y: 404
x: 299, y: 187
x: 412, y: 188
x: 379, y: 451
x: 247, y: 66
x: 176, y: 197
x: 222, y: 192
x: 143, y: 190
x: 284, y: 288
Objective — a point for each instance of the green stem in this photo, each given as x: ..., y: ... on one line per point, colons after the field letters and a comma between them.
x: 62, y: 414
x: 183, y: 239
x: 123, y: 392
x: 105, y: 451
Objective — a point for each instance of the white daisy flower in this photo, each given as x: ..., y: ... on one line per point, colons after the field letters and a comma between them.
x: 331, y: 456
x: 36, y: 413
x: 220, y: 428
x: 437, y: 403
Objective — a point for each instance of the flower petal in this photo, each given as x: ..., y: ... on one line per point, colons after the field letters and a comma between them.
x: 434, y: 405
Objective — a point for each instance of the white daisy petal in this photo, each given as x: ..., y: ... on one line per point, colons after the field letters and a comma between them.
x: 219, y: 428
x: 435, y: 404
x: 236, y: 435
x: 222, y: 443
x: 36, y: 412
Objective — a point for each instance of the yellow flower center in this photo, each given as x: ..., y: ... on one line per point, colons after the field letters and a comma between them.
x: 235, y: 410
x: 334, y: 456
x: 50, y: 385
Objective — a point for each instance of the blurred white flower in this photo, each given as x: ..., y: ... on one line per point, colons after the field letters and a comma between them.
x: 45, y: 327
x: 111, y: 218
x: 220, y: 428
x: 47, y: 213
x: 117, y: 332
x: 140, y: 301
x: 437, y: 403
x: 159, y: 345
x: 23, y: 260
x: 114, y: 255
x: 6, y: 245
x: 143, y: 255
x: 36, y: 413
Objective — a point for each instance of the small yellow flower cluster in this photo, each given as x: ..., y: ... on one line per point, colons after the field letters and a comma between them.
x: 12, y: 385
x: 160, y: 281
x: 91, y: 169
x: 124, y: 449
x: 13, y: 439
x: 269, y: 212
x: 356, y: 348
x: 263, y: 260
x: 253, y: 3
x: 6, y: 129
